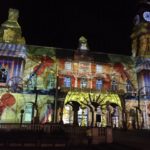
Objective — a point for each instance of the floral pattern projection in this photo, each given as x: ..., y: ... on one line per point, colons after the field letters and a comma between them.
x: 39, y: 72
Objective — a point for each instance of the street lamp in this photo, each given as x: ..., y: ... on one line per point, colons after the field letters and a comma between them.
x: 56, y: 99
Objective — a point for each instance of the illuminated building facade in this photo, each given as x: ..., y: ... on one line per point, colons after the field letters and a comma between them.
x: 81, y: 87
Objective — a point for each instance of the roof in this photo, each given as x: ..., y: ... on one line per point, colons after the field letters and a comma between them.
x: 13, y: 50
x: 95, y: 56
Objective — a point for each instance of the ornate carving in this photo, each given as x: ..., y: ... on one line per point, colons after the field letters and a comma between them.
x: 144, y: 47
x: 134, y: 47
x: 13, y: 14
x: 10, y: 30
x: 83, y: 43
x: 9, y: 35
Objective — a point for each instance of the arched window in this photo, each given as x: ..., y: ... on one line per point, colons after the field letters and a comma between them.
x: 67, y: 82
x: 99, y: 84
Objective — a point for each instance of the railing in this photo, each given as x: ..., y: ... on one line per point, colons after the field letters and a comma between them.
x: 47, y: 128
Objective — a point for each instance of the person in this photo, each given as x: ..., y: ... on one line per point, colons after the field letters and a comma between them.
x: 98, y: 120
x: 133, y: 123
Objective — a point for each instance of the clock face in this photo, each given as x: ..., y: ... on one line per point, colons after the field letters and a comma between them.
x: 146, y: 16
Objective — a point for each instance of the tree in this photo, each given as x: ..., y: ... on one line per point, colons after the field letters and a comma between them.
x: 93, y: 102
x: 75, y: 105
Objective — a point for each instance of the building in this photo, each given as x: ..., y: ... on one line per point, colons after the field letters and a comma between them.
x: 47, y: 84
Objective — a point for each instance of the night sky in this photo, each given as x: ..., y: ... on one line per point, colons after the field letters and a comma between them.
x: 107, y: 25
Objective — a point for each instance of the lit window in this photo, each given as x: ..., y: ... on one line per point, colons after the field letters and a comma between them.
x: 68, y: 65
x: 99, y: 84
x: 51, y: 84
x: 67, y: 82
x: 98, y: 68
x: 28, y: 112
x: 84, y: 83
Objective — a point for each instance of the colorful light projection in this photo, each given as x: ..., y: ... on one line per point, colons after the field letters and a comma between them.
x: 11, y: 105
x: 116, y: 69
x: 40, y: 68
x: 81, y: 97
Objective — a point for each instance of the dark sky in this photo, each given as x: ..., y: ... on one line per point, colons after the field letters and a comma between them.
x: 106, y: 24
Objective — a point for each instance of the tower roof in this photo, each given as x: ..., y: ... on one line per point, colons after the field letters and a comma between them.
x: 10, y: 30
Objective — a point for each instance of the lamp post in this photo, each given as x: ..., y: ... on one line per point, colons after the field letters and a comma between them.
x: 21, y: 116
x: 124, y: 115
x: 138, y: 109
x: 56, y: 100
x: 123, y: 96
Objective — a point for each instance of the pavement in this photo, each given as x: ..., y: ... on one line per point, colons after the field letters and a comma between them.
x: 122, y: 140
x: 136, y: 139
x: 113, y: 146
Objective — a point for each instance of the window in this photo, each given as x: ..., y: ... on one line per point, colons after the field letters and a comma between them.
x: 129, y: 86
x: 84, y: 83
x: 51, y: 84
x: 83, y: 117
x: 28, y: 113
x: 68, y: 66
x: 99, y: 84
x: 114, y: 85
x: 67, y: 82
x: 3, y: 74
x: 84, y: 67
x: 98, y: 68
x: 67, y: 114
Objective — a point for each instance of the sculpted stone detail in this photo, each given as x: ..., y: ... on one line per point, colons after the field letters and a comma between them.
x: 10, y: 30
x: 13, y: 14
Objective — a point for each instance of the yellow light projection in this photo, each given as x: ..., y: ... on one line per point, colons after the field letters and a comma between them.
x: 81, y: 96
x: 88, y: 100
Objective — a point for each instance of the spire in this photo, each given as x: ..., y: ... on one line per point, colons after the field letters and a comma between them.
x: 10, y: 30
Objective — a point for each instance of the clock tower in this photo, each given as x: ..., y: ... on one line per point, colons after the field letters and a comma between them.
x: 143, y: 12
x: 140, y: 39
